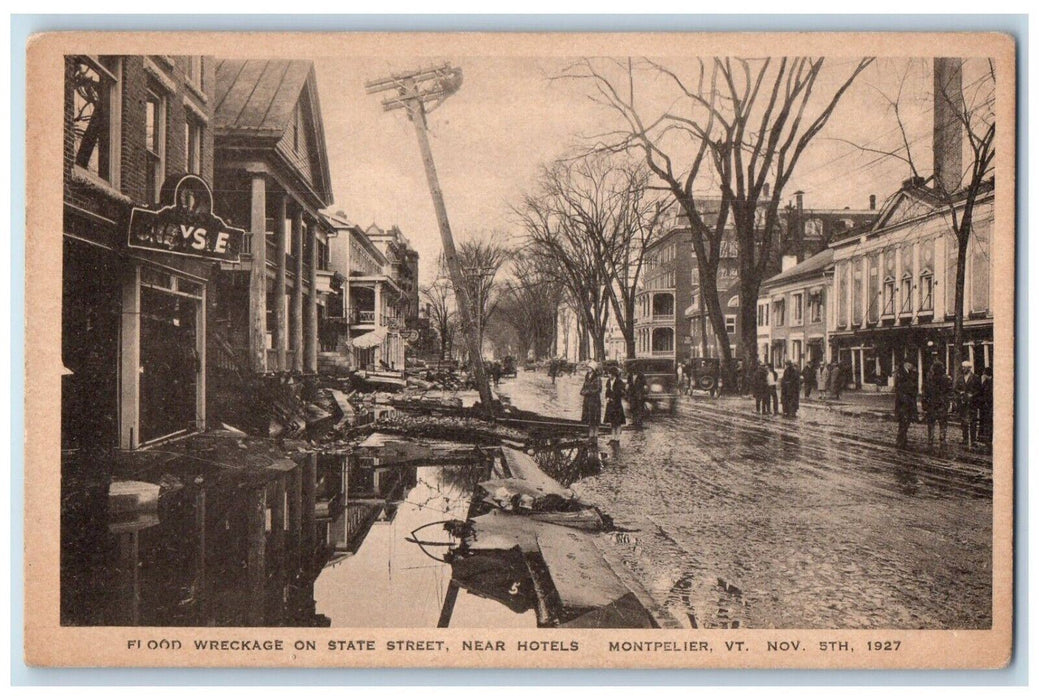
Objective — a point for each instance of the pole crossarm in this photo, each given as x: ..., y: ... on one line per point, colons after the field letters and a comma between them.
x: 414, y: 89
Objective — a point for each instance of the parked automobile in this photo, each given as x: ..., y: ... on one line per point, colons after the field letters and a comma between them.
x: 705, y: 373
x: 508, y: 366
x: 661, y: 381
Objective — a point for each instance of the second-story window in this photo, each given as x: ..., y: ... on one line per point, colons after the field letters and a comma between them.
x: 95, y: 105
x: 927, y: 275
x: 192, y: 144
x: 779, y: 312
x: 154, y: 143
x: 797, y: 309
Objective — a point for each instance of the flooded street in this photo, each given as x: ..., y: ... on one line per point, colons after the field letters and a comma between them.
x: 390, y: 582
x: 812, y: 522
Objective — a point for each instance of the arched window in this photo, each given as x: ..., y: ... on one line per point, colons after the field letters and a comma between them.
x: 663, y: 305
x: 734, y: 302
x: 927, y: 275
x: 663, y: 340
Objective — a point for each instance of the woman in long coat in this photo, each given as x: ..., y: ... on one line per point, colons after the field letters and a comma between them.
x: 791, y: 389
x: 591, y: 404
x: 614, y: 403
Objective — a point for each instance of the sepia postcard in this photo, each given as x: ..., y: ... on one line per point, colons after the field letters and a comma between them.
x: 520, y: 350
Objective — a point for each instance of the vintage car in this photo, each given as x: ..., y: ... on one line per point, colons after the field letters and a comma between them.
x: 705, y: 373
x: 508, y: 367
x: 661, y: 381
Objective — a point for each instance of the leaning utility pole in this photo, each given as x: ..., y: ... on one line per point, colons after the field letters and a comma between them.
x: 413, y: 89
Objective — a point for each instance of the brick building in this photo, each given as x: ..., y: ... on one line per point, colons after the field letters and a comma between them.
x: 134, y: 310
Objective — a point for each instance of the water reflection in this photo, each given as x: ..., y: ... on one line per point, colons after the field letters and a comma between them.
x: 376, y: 578
x: 314, y: 542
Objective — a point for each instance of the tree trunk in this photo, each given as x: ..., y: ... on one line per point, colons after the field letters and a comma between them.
x: 963, y: 239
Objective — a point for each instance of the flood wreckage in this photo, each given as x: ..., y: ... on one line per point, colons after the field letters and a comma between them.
x: 528, y: 540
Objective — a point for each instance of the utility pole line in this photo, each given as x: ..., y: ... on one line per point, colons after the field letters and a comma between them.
x: 412, y: 90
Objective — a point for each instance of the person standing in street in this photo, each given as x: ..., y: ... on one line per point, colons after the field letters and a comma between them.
x: 985, y: 430
x: 968, y: 392
x: 840, y: 376
x: 905, y: 401
x: 809, y: 379
x: 936, y: 398
x: 615, y: 403
x: 636, y: 394
x: 759, y: 388
x: 591, y: 400
x: 791, y: 389
x: 771, y: 397
x: 824, y: 380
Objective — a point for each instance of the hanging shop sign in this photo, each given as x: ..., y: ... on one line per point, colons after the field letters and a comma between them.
x: 185, y: 223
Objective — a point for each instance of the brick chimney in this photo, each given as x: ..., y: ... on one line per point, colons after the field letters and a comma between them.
x: 948, y: 129
x: 872, y: 202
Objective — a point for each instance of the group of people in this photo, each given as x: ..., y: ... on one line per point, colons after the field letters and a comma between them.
x: 616, y: 388
x: 970, y: 397
x: 767, y: 387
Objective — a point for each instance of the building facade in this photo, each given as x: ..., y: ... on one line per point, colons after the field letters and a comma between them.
x: 272, y: 170
x: 660, y: 330
x: 367, y: 303
x: 138, y: 140
x: 791, y: 313
x: 893, y: 296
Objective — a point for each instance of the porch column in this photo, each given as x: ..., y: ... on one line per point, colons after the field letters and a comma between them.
x: 130, y: 361
x: 919, y: 369
x: 280, y: 315
x: 310, y: 364
x: 296, y: 307
x: 258, y: 275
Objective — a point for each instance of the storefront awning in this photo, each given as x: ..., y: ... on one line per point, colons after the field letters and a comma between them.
x: 370, y: 339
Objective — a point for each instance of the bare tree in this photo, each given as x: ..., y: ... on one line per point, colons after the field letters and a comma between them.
x: 734, y: 126
x: 440, y: 300
x: 558, y: 236
x: 481, y: 258
x: 969, y: 111
x: 529, y: 300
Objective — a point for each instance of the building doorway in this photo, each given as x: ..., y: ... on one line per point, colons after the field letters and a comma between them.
x: 170, y: 363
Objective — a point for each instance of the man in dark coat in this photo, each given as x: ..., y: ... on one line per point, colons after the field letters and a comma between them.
x: 809, y: 379
x: 985, y: 430
x: 936, y: 399
x: 969, y: 394
x: 905, y: 401
x: 636, y: 394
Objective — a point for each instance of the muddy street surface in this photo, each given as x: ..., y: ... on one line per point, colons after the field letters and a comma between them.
x: 813, y: 522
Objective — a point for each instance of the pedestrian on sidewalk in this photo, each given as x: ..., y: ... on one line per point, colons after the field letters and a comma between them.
x: 791, y: 390
x: 968, y: 391
x: 841, y: 373
x: 771, y: 380
x: 591, y: 403
x: 905, y: 401
x: 824, y: 380
x: 936, y: 399
x: 615, y: 403
x: 810, y: 379
x: 636, y: 394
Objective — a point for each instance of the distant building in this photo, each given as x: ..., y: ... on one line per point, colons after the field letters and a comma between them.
x: 791, y: 313
x: 894, y: 287
x: 366, y: 307
x: 660, y: 331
